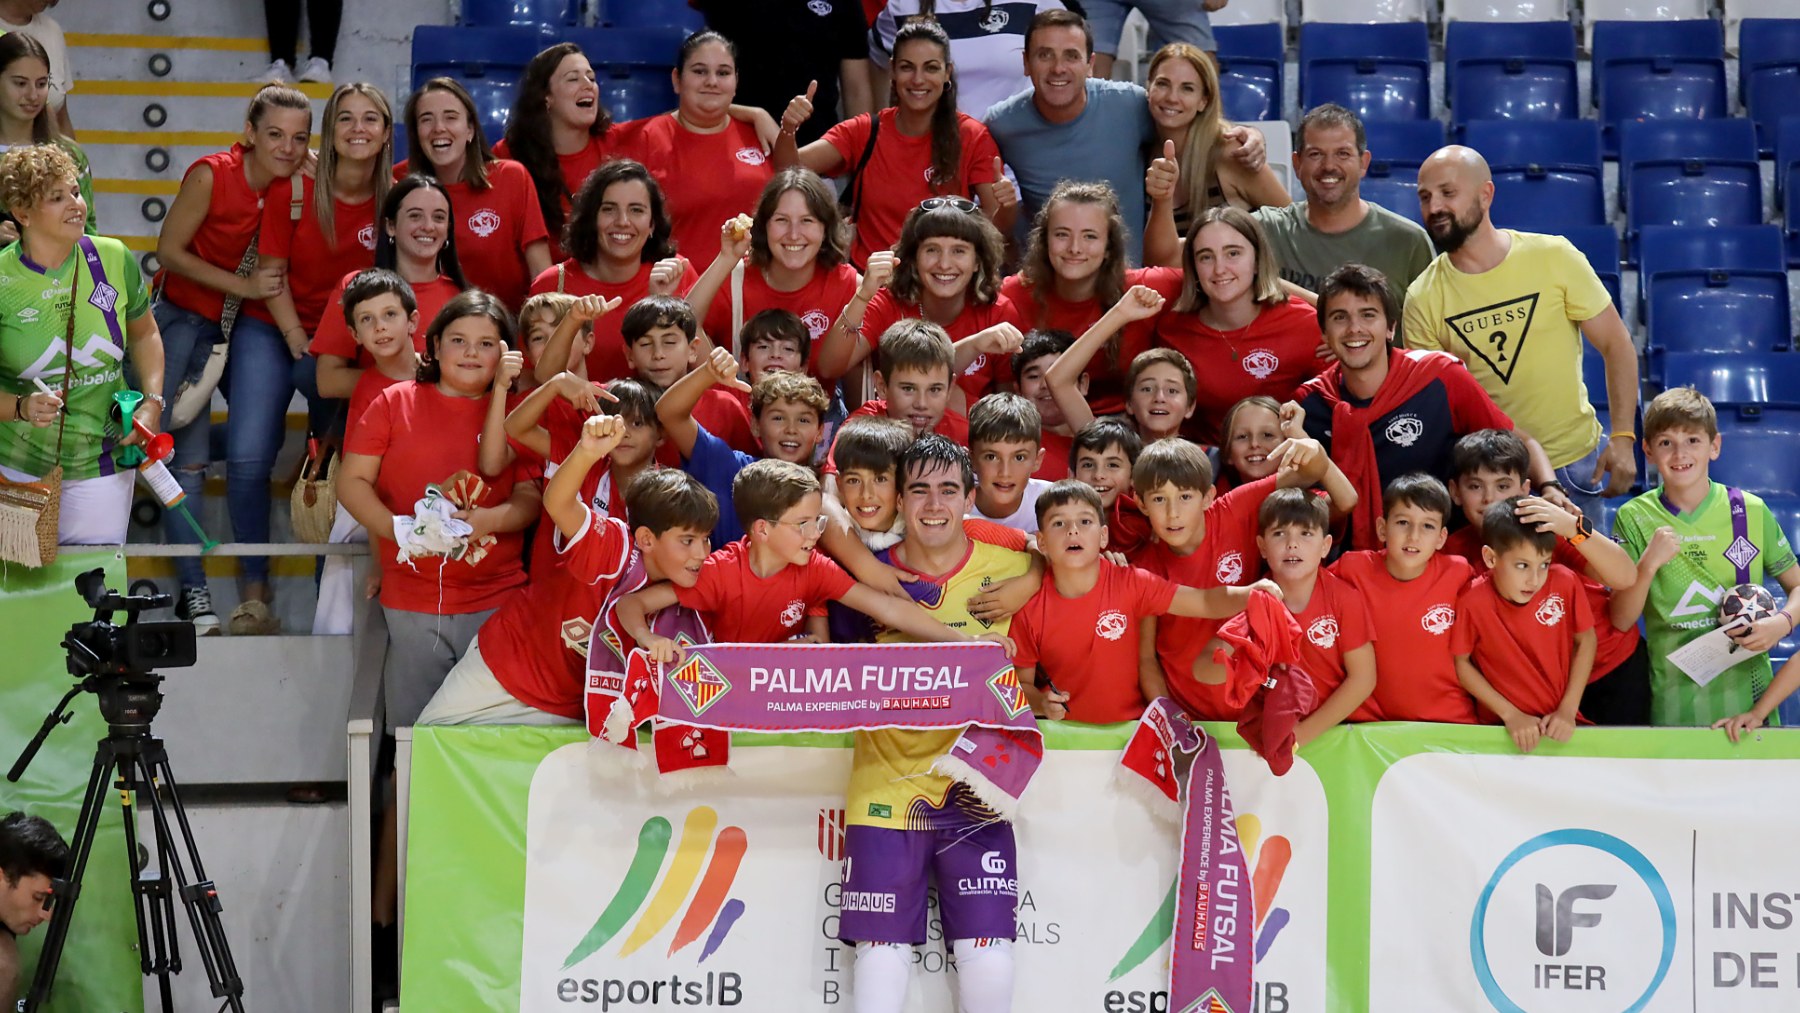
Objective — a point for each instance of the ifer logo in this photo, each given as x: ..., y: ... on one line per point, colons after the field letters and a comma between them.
x: 710, y: 910
x: 1268, y: 858
x: 1564, y: 917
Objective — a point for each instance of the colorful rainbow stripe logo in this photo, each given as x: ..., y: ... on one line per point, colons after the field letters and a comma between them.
x: 1270, y: 863
x: 709, y: 906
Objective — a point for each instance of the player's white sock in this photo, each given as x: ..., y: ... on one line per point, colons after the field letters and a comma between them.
x: 880, y: 975
x: 984, y: 975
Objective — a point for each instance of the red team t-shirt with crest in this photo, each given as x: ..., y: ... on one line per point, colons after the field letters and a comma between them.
x: 979, y: 377
x: 536, y: 645
x: 607, y: 359
x: 1088, y: 646
x: 1413, y: 620
x: 741, y: 608
x: 493, y: 227
x: 1273, y: 355
x: 576, y: 167
x: 1523, y: 651
x: 897, y: 176
x: 706, y: 179
x: 334, y: 336
x: 321, y: 262
x: 1106, y: 374
x: 817, y: 303
x: 1227, y: 557
x: 232, y: 218
x: 1334, y: 622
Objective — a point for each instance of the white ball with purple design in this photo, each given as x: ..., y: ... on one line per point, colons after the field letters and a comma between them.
x: 1745, y: 604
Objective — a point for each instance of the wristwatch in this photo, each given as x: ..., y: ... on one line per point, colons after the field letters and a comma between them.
x: 1584, y: 530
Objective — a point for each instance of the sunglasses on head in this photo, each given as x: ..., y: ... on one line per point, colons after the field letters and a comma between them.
x: 963, y: 204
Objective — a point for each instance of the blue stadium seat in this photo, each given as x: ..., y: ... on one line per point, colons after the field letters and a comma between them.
x: 1397, y: 149
x: 631, y: 66
x: 650, y: 14
x: 1648, y: 70
x: 1593, y: 374
x: 1696, y: 172
x: 1600, y: 245
x: 1380, y: 72
x: 524, y: 13
x: 1755, y: 387
x: 1769, y: 73
x: 1758, y: 458
x: 487, y: 61
x: 1517, y: 71
x: 1547, y: 175
x: 1721, y: 290
x: 1252, y: 70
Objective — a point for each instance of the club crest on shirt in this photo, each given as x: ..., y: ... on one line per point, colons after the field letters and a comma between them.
x: 994, y: 20
x: 1230, y: 569
x: 1438, y: 619
x: 485, y: 222
x: 819, y: 7
x: 104, y: 297
x: 1552, y: 610
x: 1404, y: 430
x: 1111, y: 625
x: 1323, y: 632
x: 1261, y: 363
x: 975, y: 367
x: 816, y: 322
x: 750, y: 156
x: 795, y: 611
x: 577, y: 633
x: 365, y: 237
x: 1497, y: 333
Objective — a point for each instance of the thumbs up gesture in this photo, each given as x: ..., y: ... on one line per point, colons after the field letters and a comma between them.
x: 1164, y: 173
x: 1006, y: 194
x: 799, y: 109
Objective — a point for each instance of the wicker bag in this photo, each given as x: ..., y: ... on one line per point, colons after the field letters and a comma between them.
x: 314, y: 500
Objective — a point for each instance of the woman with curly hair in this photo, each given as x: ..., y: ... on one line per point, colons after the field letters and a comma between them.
x: 55, y: 270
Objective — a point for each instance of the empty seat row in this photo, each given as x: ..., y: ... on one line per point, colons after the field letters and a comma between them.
x: 568, y: 13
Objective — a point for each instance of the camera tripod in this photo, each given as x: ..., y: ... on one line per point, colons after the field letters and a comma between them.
x: 132, y: 760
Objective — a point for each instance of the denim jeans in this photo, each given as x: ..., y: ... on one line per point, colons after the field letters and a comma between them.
x: 324, y: 415
x: 1577, y: 478
x: 258, y: 384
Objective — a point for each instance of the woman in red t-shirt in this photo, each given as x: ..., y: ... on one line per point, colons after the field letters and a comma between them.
x: 619, y: 248
x: 796, y: 262
x: 1243, y: 335
x: 500, y: 234
x: 333, y: 222
x: 922, y: 147
x: 414, y: 240
x: 710, y: 165
x: 206, y: 285
x: 945, y: 269
x: 1075, y: 268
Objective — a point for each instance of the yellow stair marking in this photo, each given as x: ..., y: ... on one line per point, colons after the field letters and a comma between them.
x: 214, y: 42
x: 163, y: 138
x: 156, y: 187
x: 163, y: 567
x: 138, y: 244
x: 192, y: 89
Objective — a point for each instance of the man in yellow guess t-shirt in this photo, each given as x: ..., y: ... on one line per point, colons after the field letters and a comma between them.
x: 908, y: 824
x: 1513, y: 306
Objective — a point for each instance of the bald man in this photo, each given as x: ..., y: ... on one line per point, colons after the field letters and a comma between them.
x: 1514, y: 306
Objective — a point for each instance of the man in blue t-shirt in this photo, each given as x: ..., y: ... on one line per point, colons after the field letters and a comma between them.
x: 1070, y: 126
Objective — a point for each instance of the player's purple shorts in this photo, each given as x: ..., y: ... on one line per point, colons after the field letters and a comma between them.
x: 886, y: 873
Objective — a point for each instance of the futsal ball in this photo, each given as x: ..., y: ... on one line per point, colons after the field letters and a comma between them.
x: 1745, y: 604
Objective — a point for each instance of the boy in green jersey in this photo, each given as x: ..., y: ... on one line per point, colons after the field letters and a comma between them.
x: 1694, y: 539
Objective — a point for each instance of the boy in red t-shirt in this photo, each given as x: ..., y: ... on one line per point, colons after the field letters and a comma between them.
x: 1033, y: 361
x: 1102, y: 455
x: 761, y: 588
x: 1079, y: 636
x: 1411, y: 588
x: 662, y: 342
x: 1490, y: 465
x: 914, y: 378
x: 1524, y: 638
x: 382, y: 314
x: 1005, y: 442
x: 1337, y: 647
x: 1202, y: 539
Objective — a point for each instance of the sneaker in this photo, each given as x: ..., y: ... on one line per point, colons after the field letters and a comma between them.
x: 278, y: 73
x: 253, y: 619
x: 195, y: 605
x: 317, y: 70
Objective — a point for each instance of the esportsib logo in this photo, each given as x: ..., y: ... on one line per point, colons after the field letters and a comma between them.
x: 1268, y: 859
x: 710, y: 909
x: 1563, y: 913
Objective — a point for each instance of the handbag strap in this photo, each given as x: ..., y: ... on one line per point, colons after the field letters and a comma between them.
x: 233, y: 303
x: 853, y: 189
x: 62, y: 417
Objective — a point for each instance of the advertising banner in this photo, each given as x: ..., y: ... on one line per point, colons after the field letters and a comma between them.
x: 1396, y: 867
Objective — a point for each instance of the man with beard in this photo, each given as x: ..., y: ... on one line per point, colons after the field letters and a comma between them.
x: 1334, y: 226
x: 1513, y: 306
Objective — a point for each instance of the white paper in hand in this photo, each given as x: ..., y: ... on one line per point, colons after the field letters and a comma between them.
x: 1703, y: 658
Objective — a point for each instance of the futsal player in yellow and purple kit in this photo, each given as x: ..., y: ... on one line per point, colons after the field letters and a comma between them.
x: 907, y: 823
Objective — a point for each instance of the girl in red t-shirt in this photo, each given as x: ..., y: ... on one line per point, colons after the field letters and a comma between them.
x: 1075, y: 268
x: 333, y: 222
x: 216, y: 216
x: 921, y: 147
x: 796, y: 263
x: 414, y: 240
x: 500, y: 230
x: 619, y: 248
x: 710, y: 165
x: 946, y: 269
x: 1234, y: 323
